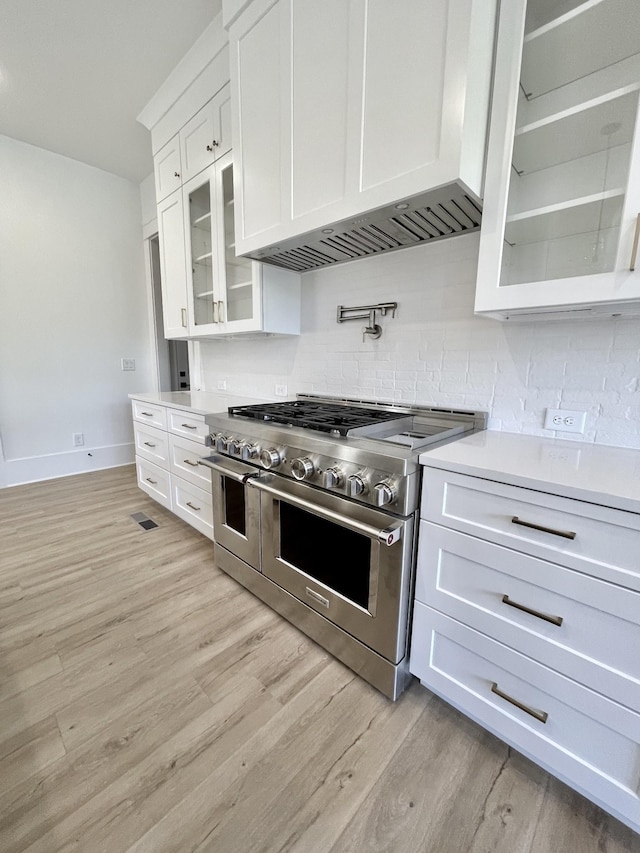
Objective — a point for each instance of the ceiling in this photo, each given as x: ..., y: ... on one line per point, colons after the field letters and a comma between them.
x: 74, y: 74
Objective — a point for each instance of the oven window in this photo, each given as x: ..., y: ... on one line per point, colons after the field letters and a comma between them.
x: 338, y: 558
x: 234, y: 509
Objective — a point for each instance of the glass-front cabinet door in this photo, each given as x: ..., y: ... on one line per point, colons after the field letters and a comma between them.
x: 239, y: 297
x: 202, y: 252
x: 562, y: 194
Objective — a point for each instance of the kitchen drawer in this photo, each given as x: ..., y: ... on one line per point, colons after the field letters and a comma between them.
x: 596, y: 644
x: 588, y: 741
x: 152, y: 444
x: 193, y: 505
x: 188, y: 425
x: 154, y: 481
x: 183, y: 461
x: 606, y: 542
x: 150, y: 414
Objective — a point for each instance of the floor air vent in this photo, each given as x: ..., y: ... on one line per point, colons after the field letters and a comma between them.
x: 144, y: 521
x: 439, y: 214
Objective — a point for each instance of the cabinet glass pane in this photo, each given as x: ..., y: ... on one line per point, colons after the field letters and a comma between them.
x: 238, y: 271
x: 577, y: 114
x: 201, y: 253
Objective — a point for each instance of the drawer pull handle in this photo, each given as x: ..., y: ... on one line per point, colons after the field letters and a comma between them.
x: 149, y: 444
x: 193, y: 506
x: 566, y: 534
x: 542, y: 716
x: 555, y: 620
x: 189, y: 426
x: 189, y: 462
x: 634, y: 250
x: 317, y: 597
x: 147, y: 414
x: 153, y: 482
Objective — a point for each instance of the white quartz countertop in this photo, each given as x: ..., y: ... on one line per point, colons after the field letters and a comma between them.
x: 198, y: 402
x: 595, y: 473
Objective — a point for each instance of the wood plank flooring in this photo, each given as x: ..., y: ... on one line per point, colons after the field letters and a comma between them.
x: 148, y: 703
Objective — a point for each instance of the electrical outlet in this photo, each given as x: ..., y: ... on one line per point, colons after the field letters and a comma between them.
x: 281, y: 391
x: 78, y: 439
x: 564, y: 420
x: 128, y: 363
x: 222, y: 384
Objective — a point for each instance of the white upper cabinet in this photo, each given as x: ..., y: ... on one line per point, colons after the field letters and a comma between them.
x: 562, y: 207
x: 173, y: 273
x: 227, y: 294
x: 346, y: 106
x: 167, y: 168
x: 207, y: 135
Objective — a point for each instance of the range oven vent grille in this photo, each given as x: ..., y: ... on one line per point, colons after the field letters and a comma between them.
x: 445, y: 214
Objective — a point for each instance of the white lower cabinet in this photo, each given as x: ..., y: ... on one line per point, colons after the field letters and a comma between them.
x: 167, y: 462
x: 527, y: 619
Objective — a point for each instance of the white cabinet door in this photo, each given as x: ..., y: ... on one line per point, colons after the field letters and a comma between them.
x: 167, y: 169
x: 207, y: 135
x: 201, y: 250
x: 172, y: 265
x: 563, y: 200
x: 259, y: 83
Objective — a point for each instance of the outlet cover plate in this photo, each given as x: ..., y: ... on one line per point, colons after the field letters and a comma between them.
x: 565, y: 420
x: 221, y: 384
x: 128, y: 363
x: 281, y: 391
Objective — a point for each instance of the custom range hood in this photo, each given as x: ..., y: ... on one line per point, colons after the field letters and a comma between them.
x: 434, y: 215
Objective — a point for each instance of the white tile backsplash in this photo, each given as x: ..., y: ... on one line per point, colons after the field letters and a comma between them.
x: 435, y: 351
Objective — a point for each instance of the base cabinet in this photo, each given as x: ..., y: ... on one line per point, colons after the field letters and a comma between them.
x: 526, y: 619
x: 167, y: 462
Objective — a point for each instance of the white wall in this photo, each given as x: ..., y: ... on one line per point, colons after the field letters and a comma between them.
x: 72, y: 303
x: 436, y: 352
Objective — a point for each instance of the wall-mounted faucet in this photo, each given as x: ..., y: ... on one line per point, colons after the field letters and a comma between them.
x: 367, y: 312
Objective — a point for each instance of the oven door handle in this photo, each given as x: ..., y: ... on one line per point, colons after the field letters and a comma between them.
x: 226, y: 472
x: 387, y: 535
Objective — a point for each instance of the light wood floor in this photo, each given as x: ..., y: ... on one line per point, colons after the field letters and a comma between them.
x: 149, y: 703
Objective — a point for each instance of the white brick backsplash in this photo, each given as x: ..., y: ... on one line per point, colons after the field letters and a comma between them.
x: 435, y: 352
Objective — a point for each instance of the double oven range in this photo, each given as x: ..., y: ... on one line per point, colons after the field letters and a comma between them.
x: 315, y: 511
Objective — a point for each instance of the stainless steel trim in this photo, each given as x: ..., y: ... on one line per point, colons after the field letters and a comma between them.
x: 197, y: 508
x: 566, y: 534
x: 189, y: 462
x: 227, y: 472
x: 542, y: 716
x: 317, y: 597
x: 554, y: 620
x: 387, y: 536
x: 634, y: 250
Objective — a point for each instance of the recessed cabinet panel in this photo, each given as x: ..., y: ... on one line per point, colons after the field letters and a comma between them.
x: 167, y: 169
x: 197, y: 142
x: 239, y: 303
x: 261, y: 104
x: 172, y: 265
x: 320, y: 66
x: 403, y: 82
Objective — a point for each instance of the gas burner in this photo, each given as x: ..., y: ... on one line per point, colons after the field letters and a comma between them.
x: 338, y: 419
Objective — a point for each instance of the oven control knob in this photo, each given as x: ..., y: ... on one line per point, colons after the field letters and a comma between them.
x: 249, y: 451
x: 270, y: 458
x: 302, y: 468
x: 355, y: 486
x: 220, y: 441
x: 332, y: 478
x: 384, y: 494
x: 233, y: 446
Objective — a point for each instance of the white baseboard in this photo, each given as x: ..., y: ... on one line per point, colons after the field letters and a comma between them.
x: 32, y: 469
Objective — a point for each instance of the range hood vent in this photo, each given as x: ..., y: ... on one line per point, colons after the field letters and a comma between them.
x: 441, y: 213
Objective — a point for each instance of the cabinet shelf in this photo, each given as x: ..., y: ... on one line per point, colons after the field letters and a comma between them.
x: 594, y: 35
x: 203, y: 222
x: 240, y: 285
x: 204, y: 260
x: 577, y: 216
x: 594, y: 126
x: 205, y: 295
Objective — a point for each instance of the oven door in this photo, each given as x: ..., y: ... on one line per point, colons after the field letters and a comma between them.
x: 350, y: 563
x: 236, y: 508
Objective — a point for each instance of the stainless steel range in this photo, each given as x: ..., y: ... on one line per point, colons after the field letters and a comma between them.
x: 315, y: 511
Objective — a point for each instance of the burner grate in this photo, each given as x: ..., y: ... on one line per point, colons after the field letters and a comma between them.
x: 324, y: 417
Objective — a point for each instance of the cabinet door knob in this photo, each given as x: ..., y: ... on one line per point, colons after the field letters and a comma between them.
x: 214, y: 144
x: 176, y: 174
